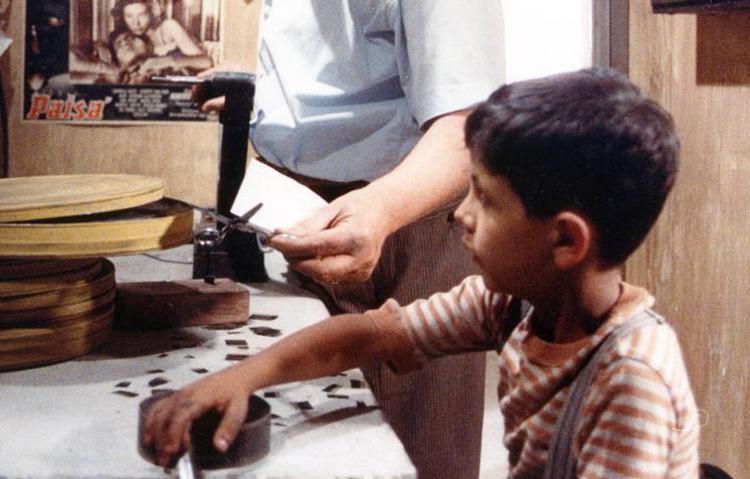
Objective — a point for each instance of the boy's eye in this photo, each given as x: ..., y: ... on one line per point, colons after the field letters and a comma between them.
x: 477, y: 191
x: 481, y: 197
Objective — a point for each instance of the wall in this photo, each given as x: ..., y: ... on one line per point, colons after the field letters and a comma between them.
x: 697, y: 259
x: 183, y: 154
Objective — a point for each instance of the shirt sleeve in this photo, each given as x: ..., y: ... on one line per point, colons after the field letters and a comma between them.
x: 466, y: 318
x: 454, y: 54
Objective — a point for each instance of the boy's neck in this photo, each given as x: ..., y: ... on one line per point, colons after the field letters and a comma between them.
x: 581, y: 306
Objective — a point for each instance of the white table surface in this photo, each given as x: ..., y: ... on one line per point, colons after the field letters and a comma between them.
x: 79, y: 418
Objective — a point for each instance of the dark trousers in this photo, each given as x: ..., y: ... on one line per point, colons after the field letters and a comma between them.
x: 436, y: 411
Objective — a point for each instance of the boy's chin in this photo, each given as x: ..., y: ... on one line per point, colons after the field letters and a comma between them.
x: 491, y: 283
x: 496, y: 285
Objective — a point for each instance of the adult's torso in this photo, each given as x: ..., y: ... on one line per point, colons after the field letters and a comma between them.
x: 337, y: 97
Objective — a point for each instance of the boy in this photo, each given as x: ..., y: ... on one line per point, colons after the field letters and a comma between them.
x: 568, y: 175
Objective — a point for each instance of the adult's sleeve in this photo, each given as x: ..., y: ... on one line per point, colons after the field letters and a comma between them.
x: 455, y: 55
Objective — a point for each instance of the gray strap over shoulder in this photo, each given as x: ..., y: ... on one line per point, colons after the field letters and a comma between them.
x: 562, y: 463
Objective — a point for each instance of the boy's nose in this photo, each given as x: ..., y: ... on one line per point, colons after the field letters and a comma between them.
x: 460, y: 216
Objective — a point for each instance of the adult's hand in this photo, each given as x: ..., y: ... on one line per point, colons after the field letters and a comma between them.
x: 214, y: 104
x: 167, y: 424
x: 340, y: 243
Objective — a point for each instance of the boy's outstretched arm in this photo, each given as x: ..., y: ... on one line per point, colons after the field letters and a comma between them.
x: 336, y: 344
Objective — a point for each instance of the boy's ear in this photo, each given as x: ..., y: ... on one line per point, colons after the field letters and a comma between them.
x: 573, y: 239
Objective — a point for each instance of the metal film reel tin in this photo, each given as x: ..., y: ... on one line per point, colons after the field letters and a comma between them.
x: 252, y: 443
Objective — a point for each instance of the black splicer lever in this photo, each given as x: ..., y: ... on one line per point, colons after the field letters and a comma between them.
x: 237, y: 255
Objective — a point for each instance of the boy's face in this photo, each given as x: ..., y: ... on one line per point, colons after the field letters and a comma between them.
x: 513, y: 250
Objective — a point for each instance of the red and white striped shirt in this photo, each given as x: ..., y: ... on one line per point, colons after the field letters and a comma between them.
x: 639, y: 418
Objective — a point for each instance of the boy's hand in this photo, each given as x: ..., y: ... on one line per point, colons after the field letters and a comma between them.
x: 168, y: 422
x: 340, y: 243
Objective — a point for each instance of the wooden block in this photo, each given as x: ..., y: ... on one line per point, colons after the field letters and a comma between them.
x: 168, y: 304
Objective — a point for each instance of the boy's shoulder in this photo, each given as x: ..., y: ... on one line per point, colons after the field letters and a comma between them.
x: 649, y: 351
x: 648, y: 341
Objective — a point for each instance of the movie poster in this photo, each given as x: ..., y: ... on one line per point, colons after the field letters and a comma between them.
x: 99, y: 60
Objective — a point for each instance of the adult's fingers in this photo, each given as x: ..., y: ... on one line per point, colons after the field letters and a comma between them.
x: 206, y: 73
x: 230, y: 425
x: 336, y: 241
x: 335, y: 269
x: 214, y: 104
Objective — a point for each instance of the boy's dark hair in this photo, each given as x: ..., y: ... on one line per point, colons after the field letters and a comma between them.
x: 587, y: 141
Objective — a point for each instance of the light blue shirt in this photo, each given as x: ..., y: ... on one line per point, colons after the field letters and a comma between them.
x: 344, y: 86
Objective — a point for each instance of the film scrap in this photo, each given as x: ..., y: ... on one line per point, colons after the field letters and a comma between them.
x: 264, y: 331
x: 263, y: 317
x: 236, y: 357
x: 129, y: 394
x: 223, y: 327
x: 158, y: 382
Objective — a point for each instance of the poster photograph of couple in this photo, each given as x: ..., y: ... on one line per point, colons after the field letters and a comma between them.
x: 96, y: 49
x: 129, y: 41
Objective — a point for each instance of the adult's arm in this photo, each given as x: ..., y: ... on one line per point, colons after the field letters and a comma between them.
x: 342, y: 243
x: 453, y: 59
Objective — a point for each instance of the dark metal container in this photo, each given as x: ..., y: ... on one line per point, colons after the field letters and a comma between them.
x: 252, y: 443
